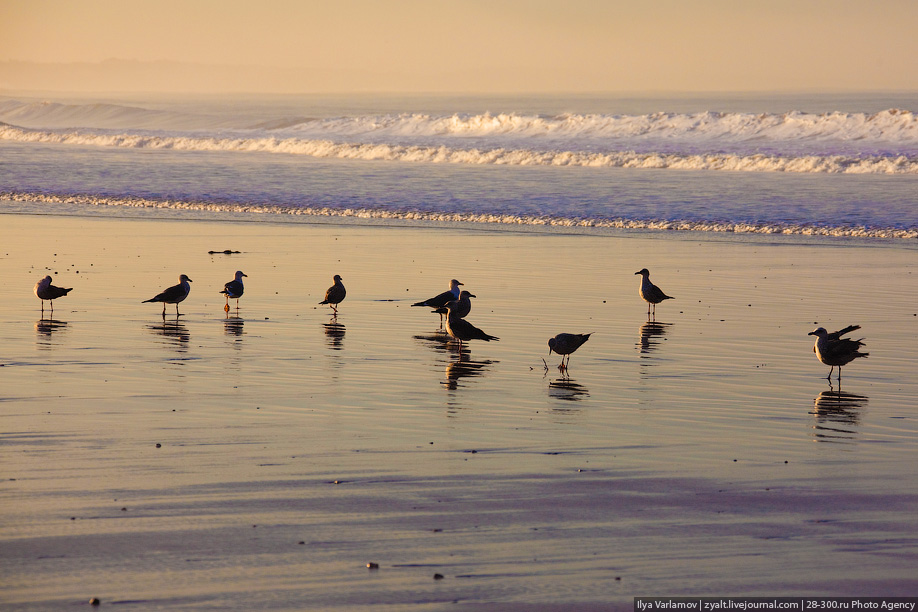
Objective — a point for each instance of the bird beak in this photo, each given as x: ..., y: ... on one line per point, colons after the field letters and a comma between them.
x: 637, y: 272
x: 473, y: 295
x: 811, y: 334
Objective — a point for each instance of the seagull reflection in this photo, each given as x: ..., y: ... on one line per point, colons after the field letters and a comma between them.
x: 651, y: 332
x: 233, y: 326
x: 334, y: 334
x: 46, y: 327
x: 566, y: 389
x: 837, y: 415
x: 464, y: 367
x: 438, y: 341
x: 174, y: 332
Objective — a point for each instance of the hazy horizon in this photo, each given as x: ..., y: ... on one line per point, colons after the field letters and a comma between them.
x: 475, y: 47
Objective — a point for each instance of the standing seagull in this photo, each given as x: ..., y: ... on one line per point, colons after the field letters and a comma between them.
x: 439, y: 301
x: 565, y: 344
x: 833, y: 350
x: 173, y: 295
x: 234, y: 289
x: 463, y: 305
x: 652, y: 294
x: 335, y: 294
x: 46, y: 291
x: 462, y: 330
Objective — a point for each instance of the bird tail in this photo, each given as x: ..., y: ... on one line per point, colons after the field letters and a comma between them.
x: 850, y: 328
x: 420, y: 304
x: 488, y: 337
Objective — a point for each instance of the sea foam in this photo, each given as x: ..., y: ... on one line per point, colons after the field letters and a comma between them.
x: 752, y: 162
x: 472, y: 217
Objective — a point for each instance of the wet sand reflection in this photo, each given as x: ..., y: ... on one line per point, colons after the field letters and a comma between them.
x: 463, y: 366
x: 175, y: 333
x: 651, y: 334
x: 567, y: 389
x: 46, y: 329
x: 334, y: 334
x: 838, y: 414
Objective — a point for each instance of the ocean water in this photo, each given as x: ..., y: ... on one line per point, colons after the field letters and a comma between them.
x: 825, y: 165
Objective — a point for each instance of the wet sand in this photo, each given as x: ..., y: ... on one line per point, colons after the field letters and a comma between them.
x: 261, y: 460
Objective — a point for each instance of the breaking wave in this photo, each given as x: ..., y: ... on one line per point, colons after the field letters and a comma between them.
x: 325, y: 148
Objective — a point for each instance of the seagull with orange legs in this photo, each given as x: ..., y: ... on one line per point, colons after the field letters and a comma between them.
x: 565, y: 344
x: 234, y: 289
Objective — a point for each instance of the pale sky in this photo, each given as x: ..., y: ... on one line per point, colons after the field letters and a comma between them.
x: 464, y: 46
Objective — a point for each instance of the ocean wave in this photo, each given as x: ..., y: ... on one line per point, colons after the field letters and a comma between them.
x: 892, y: 125
x: 887, y: 126
x: 754, y: 162
x: 683, y: 225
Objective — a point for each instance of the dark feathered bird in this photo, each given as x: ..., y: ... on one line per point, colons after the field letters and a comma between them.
x: 335, y: 294
x: 652, y: 294
x: 462, y: 308
x: 565, y: 344
x: 835, y: 351
x: 173, y: 295
x: 462, y: 330
x: 234, y: 289
x: 438, y: 302
x: 46, y: 291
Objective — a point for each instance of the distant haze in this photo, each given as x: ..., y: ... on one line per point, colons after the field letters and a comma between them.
x: 470, y: 46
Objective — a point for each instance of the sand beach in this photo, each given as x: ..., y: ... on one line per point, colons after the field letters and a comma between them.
x: 261, y: 459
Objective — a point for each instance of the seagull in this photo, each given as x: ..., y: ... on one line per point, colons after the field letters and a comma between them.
x: 565, y: 344
x: 234, y: 289
x: 462, y: 330
x: 173, y: 295
x: 652, y: 294
x: 463, y: 305
x: 833, y: 350
x: 335, y: 294
x: 46, y: 291
x: 441, y: 300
